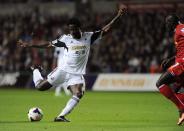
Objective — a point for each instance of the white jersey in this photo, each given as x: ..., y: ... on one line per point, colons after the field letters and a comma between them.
x: 75, y: 58
x: 58, y: 53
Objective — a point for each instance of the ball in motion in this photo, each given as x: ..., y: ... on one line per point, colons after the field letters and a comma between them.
x: 35, y: 114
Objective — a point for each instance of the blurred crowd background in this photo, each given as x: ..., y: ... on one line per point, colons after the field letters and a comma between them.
x: 137, y: 44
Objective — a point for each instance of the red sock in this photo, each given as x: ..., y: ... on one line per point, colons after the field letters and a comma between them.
x: 180, y: 96
x: 168, y: 93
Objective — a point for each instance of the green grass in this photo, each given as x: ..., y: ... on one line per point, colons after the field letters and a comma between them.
x: 97, y: 111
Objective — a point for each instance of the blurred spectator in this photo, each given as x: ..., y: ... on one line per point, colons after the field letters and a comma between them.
x: 138, y: 45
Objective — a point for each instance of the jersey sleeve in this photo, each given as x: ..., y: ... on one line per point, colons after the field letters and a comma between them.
x: 96, y: 36
x: 54, y: 42
x: 60, y: 42
x: 60, y: 39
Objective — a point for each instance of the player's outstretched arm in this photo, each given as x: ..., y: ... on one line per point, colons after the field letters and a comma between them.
x: 107, y: 27
x: 40, y: 44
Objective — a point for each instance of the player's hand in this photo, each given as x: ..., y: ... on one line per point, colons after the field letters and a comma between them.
x: 22, y: 43
x: 122, y: 9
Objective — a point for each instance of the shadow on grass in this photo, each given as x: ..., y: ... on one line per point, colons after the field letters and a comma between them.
x: 16, y: 122
x: 9, y: 122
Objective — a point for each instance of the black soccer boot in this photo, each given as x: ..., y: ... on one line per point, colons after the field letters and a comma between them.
x: 61, y: 119
x: 33, y: 67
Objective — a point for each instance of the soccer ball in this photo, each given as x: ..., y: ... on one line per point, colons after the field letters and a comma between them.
x: 35, y: 114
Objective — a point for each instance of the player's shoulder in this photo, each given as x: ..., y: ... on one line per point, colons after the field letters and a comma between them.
x: 180, y: 28
x: 68, y: 35
x: 87, y: 34
x: 65, y: 37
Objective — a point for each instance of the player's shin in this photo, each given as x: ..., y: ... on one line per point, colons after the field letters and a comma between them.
x: 37, y: 77
x: 168, y: 93
x: 70, y: 105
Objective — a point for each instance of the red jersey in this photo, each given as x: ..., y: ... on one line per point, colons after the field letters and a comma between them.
x: 179, y: 41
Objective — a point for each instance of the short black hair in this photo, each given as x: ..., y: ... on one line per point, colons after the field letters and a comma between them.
x: 172, y: 19
x: 74, y: 21
x: 171, y: 22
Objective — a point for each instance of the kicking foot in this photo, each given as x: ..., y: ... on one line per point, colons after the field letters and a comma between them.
x: 33, y: 67
x: 181, y: 119
x: 61, y: 119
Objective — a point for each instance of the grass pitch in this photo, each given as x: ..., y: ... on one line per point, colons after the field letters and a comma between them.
x: 97, y: 111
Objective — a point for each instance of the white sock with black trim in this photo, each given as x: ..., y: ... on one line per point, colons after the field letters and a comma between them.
x: 70, y: 105
x: 37, y: 77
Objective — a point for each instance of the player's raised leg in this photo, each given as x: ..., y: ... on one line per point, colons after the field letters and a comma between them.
x: 40, y: 83
x: 163, y: 86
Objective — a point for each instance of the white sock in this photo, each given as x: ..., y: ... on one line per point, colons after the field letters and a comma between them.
x: 69, y: 106
x: 37, y: 77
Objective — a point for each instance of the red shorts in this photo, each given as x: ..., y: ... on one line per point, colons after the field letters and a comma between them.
x: 178, y: 68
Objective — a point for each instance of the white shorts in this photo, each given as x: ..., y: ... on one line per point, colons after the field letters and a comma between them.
x: 59, y: 77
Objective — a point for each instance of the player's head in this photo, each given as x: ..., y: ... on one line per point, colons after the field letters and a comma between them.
x: 74, y: 27
x: 171, y: 22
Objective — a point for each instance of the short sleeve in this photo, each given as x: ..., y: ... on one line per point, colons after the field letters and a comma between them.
x: 61, y: 39
x: 96, y: 36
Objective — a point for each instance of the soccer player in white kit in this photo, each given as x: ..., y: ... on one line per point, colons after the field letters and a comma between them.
x: 76, y: 51
x: 58, y: 57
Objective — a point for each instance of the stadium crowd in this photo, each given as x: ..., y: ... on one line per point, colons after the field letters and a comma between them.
x: 138, y: 43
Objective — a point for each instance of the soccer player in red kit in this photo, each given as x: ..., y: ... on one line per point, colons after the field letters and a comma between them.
x: 179, y: 81
x: 175, y: 71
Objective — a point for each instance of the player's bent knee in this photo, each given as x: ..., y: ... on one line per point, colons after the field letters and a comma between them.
x: 159, y: 83
x: 80, y: 94
x: 43, y: 86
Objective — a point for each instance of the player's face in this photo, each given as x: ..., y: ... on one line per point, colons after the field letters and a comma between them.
x: 75, y: 31
x: 170, y: 24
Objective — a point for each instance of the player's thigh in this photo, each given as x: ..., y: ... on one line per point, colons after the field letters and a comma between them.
x: 173, y: 73
x: 76, y: 84
x: 76, y: 80
x: 43, y: 85
x: 56, y: 77
x: 177, y: 69
x: 77, y: 90
x: 166, y: 78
